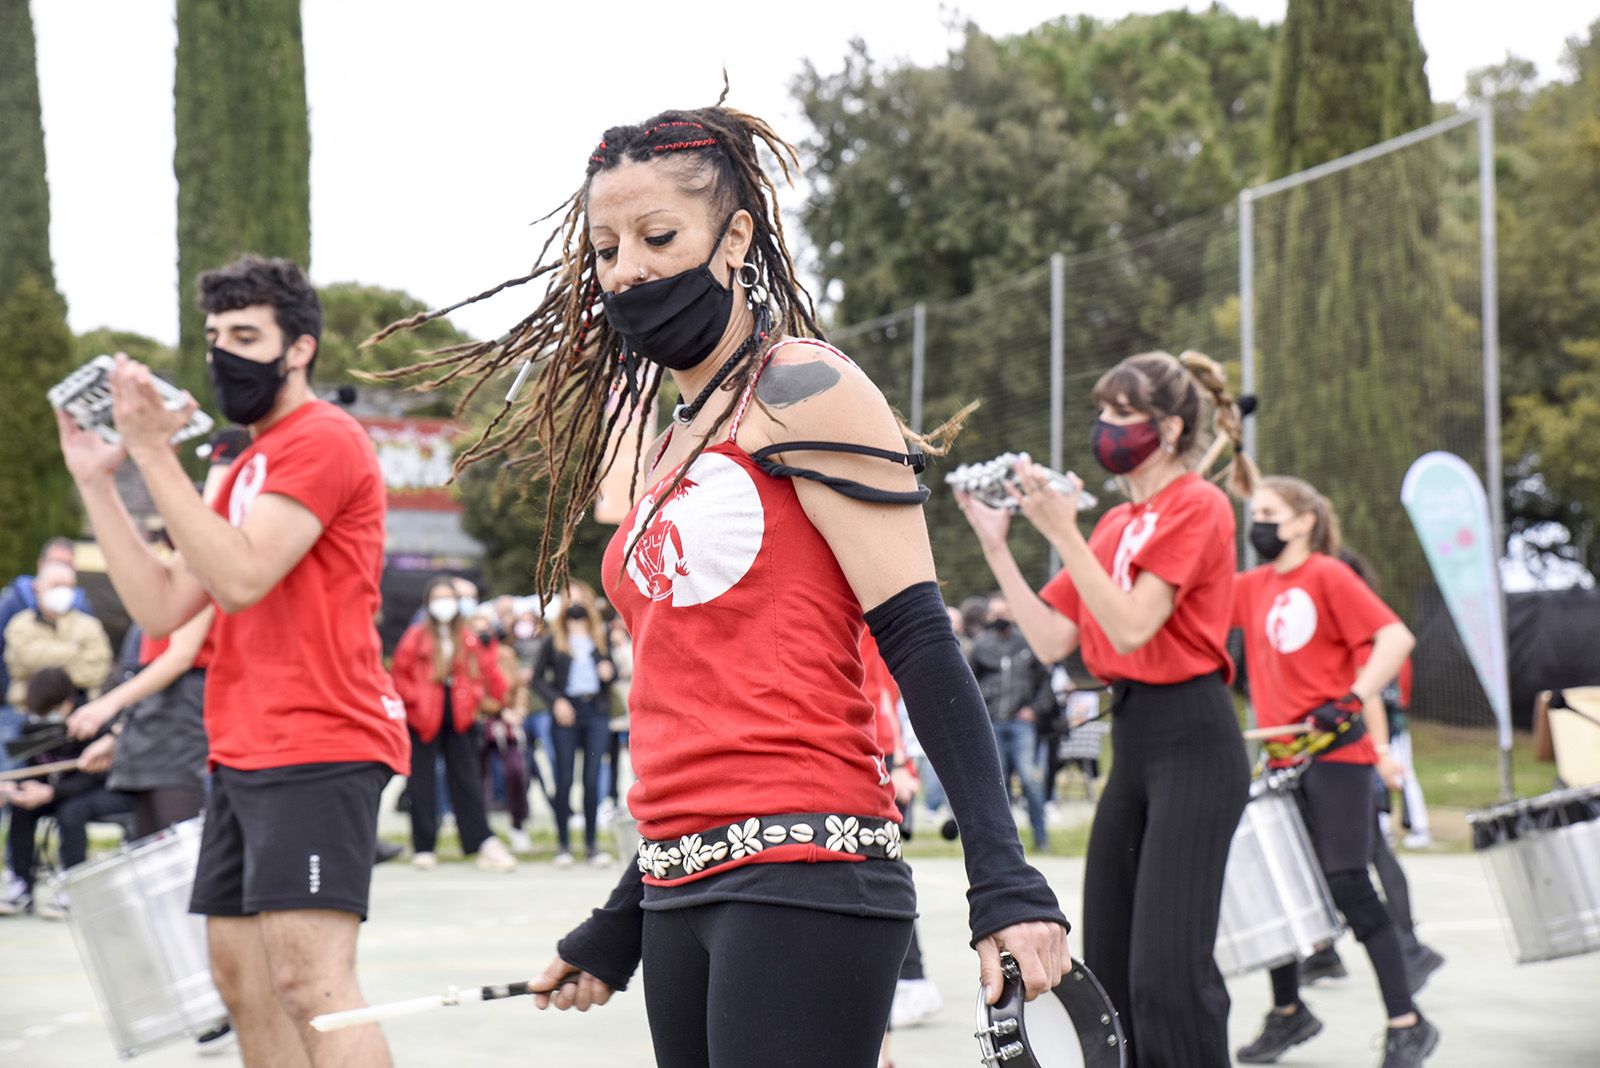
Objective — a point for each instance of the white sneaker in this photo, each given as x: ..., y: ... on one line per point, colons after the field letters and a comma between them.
x: 494, y: 856
x: 53, y: 907
x: 424, y: 861
x: 1419, y: 840
x: 563, y: 859
x: 915, y: 1002
x: 601, y: 859
x: 520, y: 842
x: 607, y: 809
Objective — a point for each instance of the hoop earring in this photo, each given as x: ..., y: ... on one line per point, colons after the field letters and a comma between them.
x: 755, y: 294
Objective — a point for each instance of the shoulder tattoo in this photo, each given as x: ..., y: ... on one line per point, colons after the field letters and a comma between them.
x: 782, y: 385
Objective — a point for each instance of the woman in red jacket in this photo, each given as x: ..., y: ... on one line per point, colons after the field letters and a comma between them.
x: 1309, y: 623
x: 443, y: 672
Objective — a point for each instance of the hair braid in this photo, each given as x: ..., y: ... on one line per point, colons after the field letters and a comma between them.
x: 1227, y: 421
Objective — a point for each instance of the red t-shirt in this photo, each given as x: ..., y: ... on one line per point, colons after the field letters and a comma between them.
x: 297, y: 678
x: 1306, y: 634
x: 1185, y: 536
x: 150, y: 648
x: 747, y: 696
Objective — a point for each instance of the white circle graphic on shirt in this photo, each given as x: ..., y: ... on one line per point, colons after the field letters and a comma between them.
x: 1292, y: 620
x: 246, y: 488
x: 705, y: 537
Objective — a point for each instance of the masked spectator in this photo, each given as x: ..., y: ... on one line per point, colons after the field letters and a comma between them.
x: 443, y: 672
x: 56, y: 633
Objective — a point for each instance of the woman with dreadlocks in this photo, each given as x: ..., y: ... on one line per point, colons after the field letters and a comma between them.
x: 781, y: 514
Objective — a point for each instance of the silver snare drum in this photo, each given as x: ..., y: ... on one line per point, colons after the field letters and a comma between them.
x: 1543, y: 856
x: 145, y: 954
x: 1276, y: 907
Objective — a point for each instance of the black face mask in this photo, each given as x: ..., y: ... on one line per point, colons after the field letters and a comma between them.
x: 577, y: 613
x: 1264, y: 538
x: 677, y: 321
x: 1001, y: 627
x: 244, y: 389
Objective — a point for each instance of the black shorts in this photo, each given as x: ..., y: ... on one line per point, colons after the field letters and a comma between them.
x: 297, y: 837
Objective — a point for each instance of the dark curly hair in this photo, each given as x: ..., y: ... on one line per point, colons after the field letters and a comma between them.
x: 47, y: 689
x: 253, y: 279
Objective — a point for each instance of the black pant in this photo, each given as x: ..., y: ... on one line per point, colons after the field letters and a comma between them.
x: 462, y: 773
x: 73, y: 817
x: 1336, y: 800
x: 735, y: 983
x: 592, y: 731
x: 1178, y: 785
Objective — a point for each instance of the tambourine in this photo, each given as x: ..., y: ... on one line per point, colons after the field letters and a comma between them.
x: 85, y: 394
x: 1073, y: 1026
x: 994, y: 482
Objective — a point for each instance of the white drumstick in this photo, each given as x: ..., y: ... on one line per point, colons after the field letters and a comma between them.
x: 337, y: 1021
x: 1256, y: 734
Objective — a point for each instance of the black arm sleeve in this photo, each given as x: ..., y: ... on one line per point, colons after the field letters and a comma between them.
x: 948, y: 714
x: 607, y: 944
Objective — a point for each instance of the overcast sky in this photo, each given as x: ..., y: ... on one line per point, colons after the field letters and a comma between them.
x: 440, y: 131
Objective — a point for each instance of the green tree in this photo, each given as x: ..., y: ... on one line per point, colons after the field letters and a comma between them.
x: 104, y: 340
x: 24, y: 194
x: 1352, y: 287
x: 351, y: 313
x: 243, y: 148
x: 35, y: 353
x: 35, y: 345
x: 1549, y: 224
x: 509, y: 522
x: 931, y: 183
x: 1349, y: 74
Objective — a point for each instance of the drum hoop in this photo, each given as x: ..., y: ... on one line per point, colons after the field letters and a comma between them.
x: 1094, y: 1018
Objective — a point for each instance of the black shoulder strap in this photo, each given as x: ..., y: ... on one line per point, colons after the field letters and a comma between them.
x: 847, y: 486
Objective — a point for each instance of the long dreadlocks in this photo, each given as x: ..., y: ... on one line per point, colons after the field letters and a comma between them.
x: 565, y: 432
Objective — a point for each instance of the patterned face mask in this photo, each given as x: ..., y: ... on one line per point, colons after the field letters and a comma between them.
x: 1120, y: 449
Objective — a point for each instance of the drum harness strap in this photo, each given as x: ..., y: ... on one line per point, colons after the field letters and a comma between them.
x: 1334, y: 726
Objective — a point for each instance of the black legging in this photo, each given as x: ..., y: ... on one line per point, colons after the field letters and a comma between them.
x: 734, y: 983
x: 462, y: 772
x: 160, y: 808
x: 1153, y: 886
x: 1336, y: 800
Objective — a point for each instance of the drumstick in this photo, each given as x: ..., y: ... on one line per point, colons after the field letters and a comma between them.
x: 1256, y: 734
x: 38, y: 770
x: 337, y: 1021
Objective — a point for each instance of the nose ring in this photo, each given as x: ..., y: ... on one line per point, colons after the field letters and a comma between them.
x: 641, y: 274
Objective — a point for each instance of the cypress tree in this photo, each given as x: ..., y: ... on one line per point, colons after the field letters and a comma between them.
x: 35, y: 345
x: 243, y: 157
x: 1349, y: 74
x: 1364, y: 356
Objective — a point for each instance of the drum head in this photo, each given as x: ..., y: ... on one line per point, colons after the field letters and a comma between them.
x: 1074, y: 1026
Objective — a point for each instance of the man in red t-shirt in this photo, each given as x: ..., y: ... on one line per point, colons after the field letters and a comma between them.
x: 303, y: 725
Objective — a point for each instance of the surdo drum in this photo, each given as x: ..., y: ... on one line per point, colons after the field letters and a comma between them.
x: 145, y: 953
x: 1276, y: 907
x: 1073, y: 1026
x: 1543, y: 856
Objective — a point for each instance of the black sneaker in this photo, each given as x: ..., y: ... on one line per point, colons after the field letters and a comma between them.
x: 1408, y: 1047
x: 1421, y: 962
x: 1279, y: 1033
x: 1323, y: 964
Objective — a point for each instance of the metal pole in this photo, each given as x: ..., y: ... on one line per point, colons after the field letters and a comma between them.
x: 1247, y: 327
x: 1058, y: 372
x: 919, y: 354
x: 1489, y: 316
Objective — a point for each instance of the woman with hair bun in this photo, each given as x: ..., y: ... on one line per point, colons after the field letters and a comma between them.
x: 1321, y: 647
x: 780, y: 516
x: 1146, y: 598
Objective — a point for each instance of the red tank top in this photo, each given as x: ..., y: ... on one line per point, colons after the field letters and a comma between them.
x: 747, y: 688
